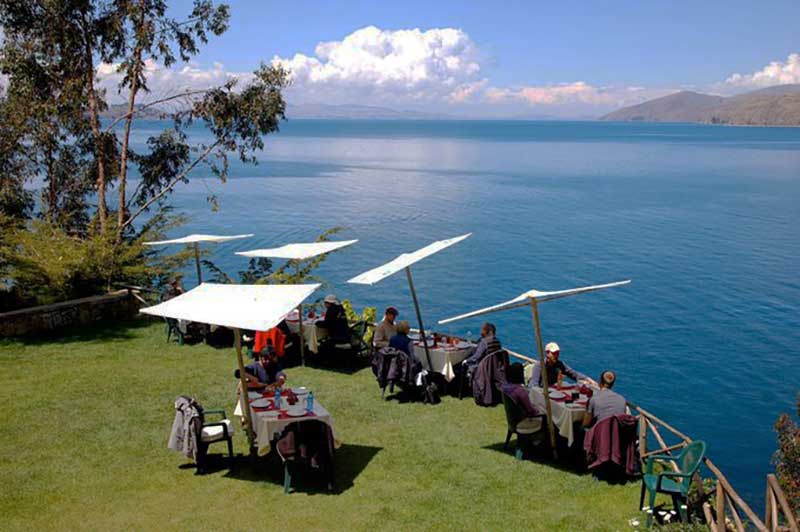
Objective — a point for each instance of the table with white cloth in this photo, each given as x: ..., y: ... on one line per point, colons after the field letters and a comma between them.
x: 311, y: 333
x: 267, y: 426
x: 564, y: 414
x: 444, y: 357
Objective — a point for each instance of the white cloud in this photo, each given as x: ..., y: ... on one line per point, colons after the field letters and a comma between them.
x: 163, y: 81
x: 371, y: 63
x: 775, y: 73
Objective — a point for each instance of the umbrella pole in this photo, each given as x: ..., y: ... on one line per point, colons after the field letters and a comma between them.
x: 248, y: 426
x: 300, y: 315
x: 419, y: 318
x: 197, y: 263
x: 543, y: 373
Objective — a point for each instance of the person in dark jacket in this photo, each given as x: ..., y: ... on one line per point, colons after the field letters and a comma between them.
x: 489, y: 343
x: 335, y: 321
x: 401, y: 341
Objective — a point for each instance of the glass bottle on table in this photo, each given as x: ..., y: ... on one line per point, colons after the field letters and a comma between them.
x: 310, y: 401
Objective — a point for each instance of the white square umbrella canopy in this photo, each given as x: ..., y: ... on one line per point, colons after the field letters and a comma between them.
x: 239, y: 306
x: 196, y: 239
x: 404, y: 261
x: 300, y: 251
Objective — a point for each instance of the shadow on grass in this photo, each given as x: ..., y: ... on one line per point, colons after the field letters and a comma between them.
x: 100, y: 331
x: 350, y: 461
x: 569, y: 461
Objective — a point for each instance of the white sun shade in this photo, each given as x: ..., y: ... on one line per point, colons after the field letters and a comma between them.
x: 243, y: 306
x: 404, y: 260
x: 539, y: 296
x: 191, y: 239
x: 300, y: 251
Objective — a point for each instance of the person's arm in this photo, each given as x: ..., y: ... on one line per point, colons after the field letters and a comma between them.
x: 572, y: 374
x: 476, y: 357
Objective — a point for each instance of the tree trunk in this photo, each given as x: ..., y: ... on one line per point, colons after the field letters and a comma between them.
x: 99, y: 148
x: 123, y: 161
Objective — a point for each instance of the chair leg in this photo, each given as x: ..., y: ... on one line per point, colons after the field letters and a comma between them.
x: 230, y: 451
x: 202, y: 451
x: 518, y: 453
x: 287, y: 478
x: 461, y: 383
x: 641, y: 497
x: 652, y: 511
x: 383, y: 392
x: 677, y: 504
x: 508, y: 439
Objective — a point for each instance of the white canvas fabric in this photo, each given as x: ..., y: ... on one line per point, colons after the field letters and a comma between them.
x: 524, y: 299
x: 404, y: 260
x: 300, y: 251
x: 190, y: 239
x: 254, y: 307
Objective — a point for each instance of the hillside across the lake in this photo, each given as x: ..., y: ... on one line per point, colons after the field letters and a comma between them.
x: 773, y: 106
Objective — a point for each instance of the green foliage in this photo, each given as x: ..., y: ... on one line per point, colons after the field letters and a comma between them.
x: 49, y: 265
x: 368, y: 315
x: 787, y: 457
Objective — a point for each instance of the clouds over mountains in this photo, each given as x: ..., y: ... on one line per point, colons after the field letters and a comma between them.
x: 437, y: 69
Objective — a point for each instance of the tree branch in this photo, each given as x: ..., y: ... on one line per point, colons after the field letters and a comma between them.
x: 144, y: 106
x: 171, y: 184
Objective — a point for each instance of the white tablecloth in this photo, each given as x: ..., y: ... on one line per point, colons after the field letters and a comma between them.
x: 443, y: 359
x: 564, y: 414
x: 267, y: 427
x: 311, y: 333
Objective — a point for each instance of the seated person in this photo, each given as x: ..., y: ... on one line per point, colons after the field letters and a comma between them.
x: 489, y: 343
x: 335, y: 321
x: 556, y: 369
x: 604, y: 402
x: 174, y: 289
x: 385, y: 329
x: 401, y: 341
x: 265, y: 372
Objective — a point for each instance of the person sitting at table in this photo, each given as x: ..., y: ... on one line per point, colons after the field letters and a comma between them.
x: 335, y: 321
x: 174, y: 289
x: 401, y: 340
x: 604, y: 402
x: 385, y: 329
x: 265, y: 372
x: 556, y: 369
x: 489, y: 343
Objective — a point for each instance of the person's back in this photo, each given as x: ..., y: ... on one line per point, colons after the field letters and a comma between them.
x: 606, y: 403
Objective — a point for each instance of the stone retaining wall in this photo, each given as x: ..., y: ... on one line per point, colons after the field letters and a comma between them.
x: 45, y: 319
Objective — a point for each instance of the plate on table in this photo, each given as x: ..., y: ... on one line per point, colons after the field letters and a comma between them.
x: 254, y: 395
x: 262, y: 403
x: 296, y: 412
x: 300, y: 390
x: 555, y: 394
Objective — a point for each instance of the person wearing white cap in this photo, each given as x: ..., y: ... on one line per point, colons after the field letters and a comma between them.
x: 556, y: 369
x: 335, y: 322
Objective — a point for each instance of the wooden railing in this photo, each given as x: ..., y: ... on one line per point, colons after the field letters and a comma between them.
x: 730, y: 511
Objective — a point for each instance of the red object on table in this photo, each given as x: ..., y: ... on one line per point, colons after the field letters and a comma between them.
x: 275, y: 335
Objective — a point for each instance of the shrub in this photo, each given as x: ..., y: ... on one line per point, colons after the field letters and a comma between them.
x: 787, y: 457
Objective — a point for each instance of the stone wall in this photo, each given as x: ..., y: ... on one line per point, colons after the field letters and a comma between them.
x: 45, y: 319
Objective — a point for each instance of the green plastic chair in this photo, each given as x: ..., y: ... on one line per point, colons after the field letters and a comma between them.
x: 673, y: 483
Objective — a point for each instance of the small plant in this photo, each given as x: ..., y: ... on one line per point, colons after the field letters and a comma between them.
x: 787, y: 457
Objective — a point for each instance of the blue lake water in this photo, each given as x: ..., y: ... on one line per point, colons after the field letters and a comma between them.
x: 703, y: 219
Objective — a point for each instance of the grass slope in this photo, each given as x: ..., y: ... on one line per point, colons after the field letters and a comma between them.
x: 85, y: 421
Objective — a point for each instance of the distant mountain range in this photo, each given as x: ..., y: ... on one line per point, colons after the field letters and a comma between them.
x: 773, y: 106
x: 357, y: 112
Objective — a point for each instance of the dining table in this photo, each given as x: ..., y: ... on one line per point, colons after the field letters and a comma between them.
x: 311, y: 333
x: 445, y: 356
x: 269, y: 422
x: 566, y: 411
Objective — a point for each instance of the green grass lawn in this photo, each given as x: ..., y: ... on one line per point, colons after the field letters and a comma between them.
x: 85, y: 420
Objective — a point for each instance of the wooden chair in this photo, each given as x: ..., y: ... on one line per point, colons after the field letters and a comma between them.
x: 673, y: 483
x: 213, y: 432
x: 521, y: 425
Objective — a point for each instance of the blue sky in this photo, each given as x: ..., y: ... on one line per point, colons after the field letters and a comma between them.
x: 624, y: 51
